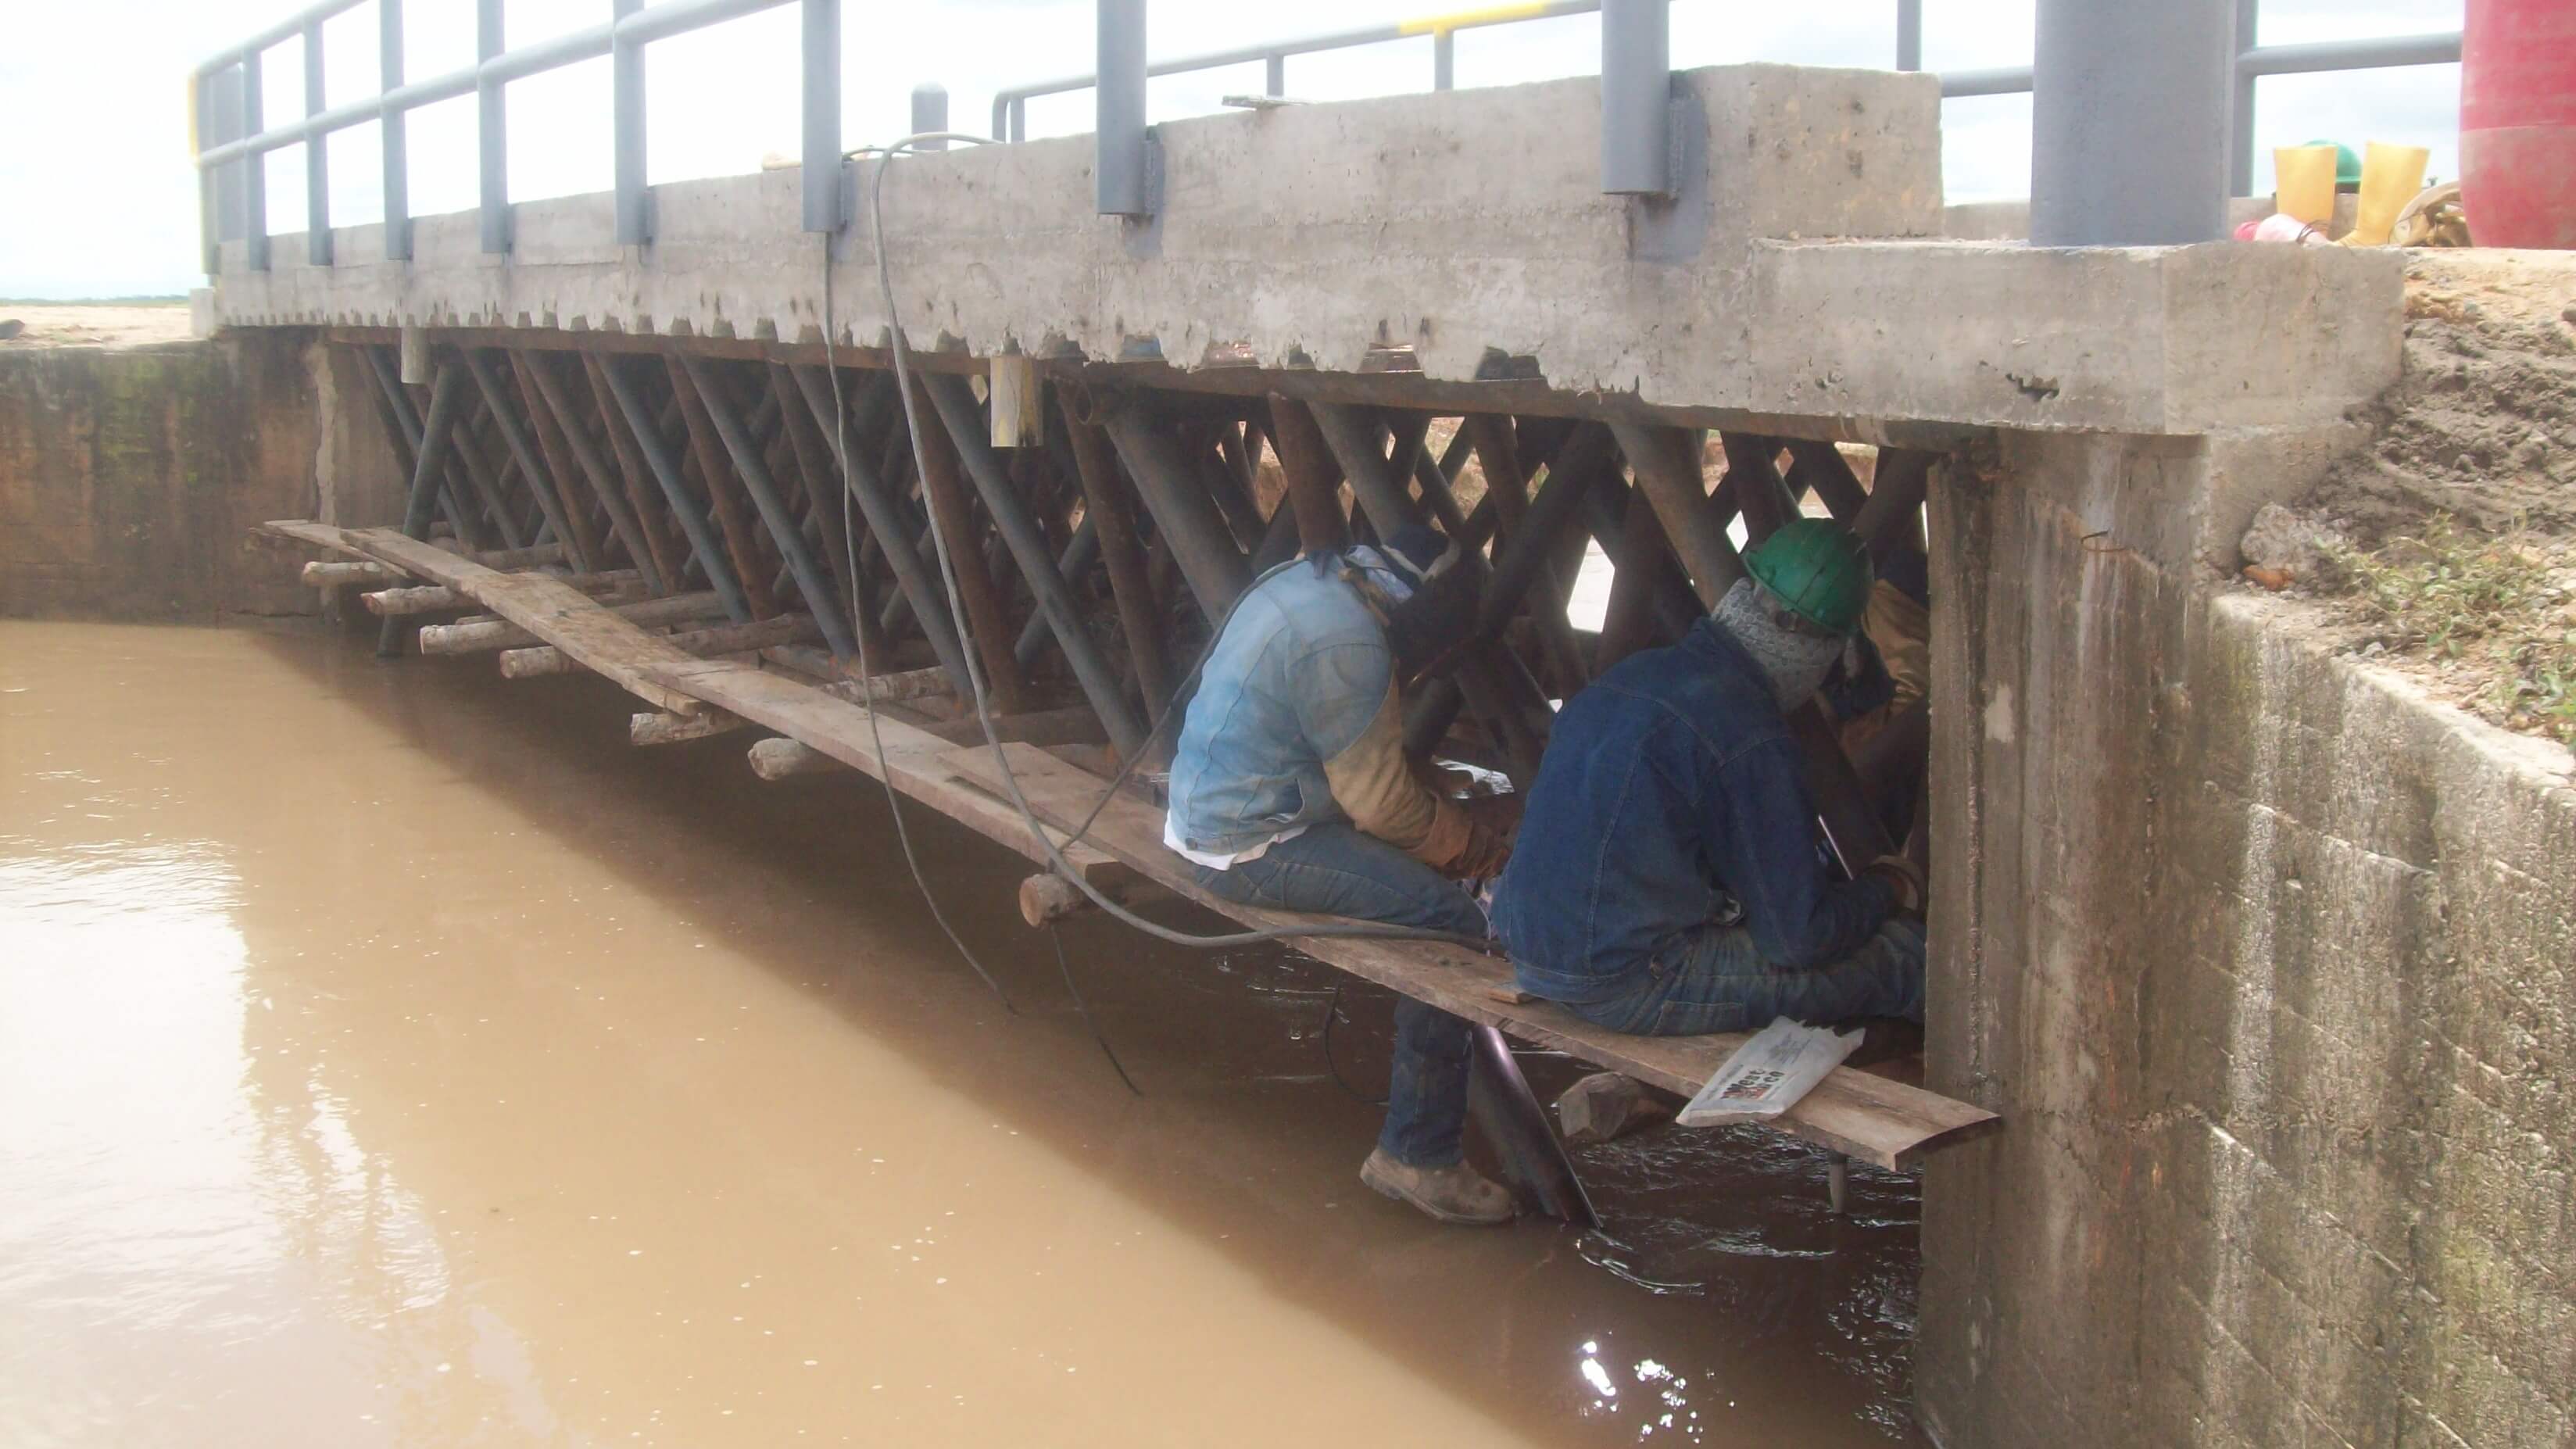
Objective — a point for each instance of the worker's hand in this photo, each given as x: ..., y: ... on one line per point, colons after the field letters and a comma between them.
x: 1487, y: 851
x: 1498, y: 813
x: 1903, y: 881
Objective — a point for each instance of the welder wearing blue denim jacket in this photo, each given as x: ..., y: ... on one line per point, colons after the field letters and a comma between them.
x: 1290, y: 790
x: 1668, y: 880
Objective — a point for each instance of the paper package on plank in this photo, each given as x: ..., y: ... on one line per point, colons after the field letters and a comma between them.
x: 1769, y: 1073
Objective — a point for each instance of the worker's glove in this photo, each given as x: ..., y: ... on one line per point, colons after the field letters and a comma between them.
x: 1460, y: 846
x: 1488, y: 851
x: 1903, y: 881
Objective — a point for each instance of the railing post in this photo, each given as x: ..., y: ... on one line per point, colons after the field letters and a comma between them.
x: 254, y: 182
x: 203, y: 132
x: 317, y: 156
x: 1274, y: 76
x: 493, y: 129
x: 389, y: 74
x: 2129, y: 122
x: 1118, y: 168
x: 2240, y: 115
x: 1909, y: 34
x: 626, y: 105
x: 930, y: 113
x: 822, y: 115
x: 1444, y: 60
x: 1636, y: 97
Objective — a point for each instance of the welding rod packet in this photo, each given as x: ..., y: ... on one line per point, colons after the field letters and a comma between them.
x: 1767, y: 1076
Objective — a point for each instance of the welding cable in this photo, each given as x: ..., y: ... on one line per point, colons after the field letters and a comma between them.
x: 974, y: 673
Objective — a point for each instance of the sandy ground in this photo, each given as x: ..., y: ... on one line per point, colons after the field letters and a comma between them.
x: 48, y: 325
x: 2478, y: 436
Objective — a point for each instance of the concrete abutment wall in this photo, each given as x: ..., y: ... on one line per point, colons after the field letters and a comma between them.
x: 130, y: 476
x: 2266, y: 961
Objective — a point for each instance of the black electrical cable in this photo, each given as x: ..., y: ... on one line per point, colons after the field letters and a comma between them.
x: 1334, y: 1067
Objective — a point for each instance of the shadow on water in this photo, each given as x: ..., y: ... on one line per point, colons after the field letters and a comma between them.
x: 1721, y: 1301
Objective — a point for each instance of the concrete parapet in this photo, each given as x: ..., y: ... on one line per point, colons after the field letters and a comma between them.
x: 1795, y: 271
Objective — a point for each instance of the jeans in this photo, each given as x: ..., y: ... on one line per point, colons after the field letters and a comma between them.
x: 1334, y: 870
x: 1714, y: 980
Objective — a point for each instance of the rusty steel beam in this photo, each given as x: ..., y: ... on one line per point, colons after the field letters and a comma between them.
x: 812, y: 583
x: 547, y: 396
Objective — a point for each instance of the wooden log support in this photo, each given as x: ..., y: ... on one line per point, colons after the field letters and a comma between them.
x: 479, y: 478
x: 483, y: 637
x: 1758, y: 493
x: 944, y: 490
x: 823, y: 489
x: 539, y: 660
x: 1106, y: 503
x: 1314, y: 478
x: 435, y: 598
x: 916, y: 584
x: 706, y: 445
x: 560, y: 516
x: 653, y: 506
x: 334, y: 574
x: 654, y: 727
x: 548, y: 398
x: 956, y: 408
x: 1666, y: 464
x: 578, y: 501
x: 405, y: 419
x: 1628, y: 623
x: 1183, y: 513
x: 780, y: 758
x: 645, y: 441
x: 1820, y: 465
x: 1890, y: 520
x: 704, y: 398
x: 1373, y: 479
x: 1048, y: 898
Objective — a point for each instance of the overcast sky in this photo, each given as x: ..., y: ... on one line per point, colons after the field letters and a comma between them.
x: 101, y: 198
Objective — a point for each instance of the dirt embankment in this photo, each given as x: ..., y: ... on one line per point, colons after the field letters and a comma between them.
x: 47, y: 324
x: 2446, y: 547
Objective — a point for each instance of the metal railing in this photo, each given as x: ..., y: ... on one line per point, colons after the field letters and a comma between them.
x: 1010, y: 107
x: 226, y: 106
x: 227, y: 103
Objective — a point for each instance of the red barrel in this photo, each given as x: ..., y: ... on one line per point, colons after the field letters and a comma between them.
x: 2518, y: 122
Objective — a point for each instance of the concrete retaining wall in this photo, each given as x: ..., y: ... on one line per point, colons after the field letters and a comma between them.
x: 2266, y: 960
x: 129, y: 476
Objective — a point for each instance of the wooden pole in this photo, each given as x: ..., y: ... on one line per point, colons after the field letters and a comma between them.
x: 1105, y: 503
x: 550, y: 501
x: 1667, y: 471
x: 945, y: 491
x: 1184, y: 515
x: 1314, y: 478
x: 812, y: 583
x: 706, y: 445
x: 643, y: 488
x: 580, y: 503
x: 967, y: 430
x: 537, y: 379
x: 482, y: 636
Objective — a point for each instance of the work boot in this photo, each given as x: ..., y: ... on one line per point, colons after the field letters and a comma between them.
x: 1453, y: 1194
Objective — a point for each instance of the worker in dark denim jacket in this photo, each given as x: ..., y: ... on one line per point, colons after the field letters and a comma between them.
x: 1668, y: 881
x: 1290, y: 789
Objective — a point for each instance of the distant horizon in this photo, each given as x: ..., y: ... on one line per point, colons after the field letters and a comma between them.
x: 113, y: 76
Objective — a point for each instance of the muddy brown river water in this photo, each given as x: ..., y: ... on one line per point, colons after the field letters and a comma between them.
x: 390, y: 1055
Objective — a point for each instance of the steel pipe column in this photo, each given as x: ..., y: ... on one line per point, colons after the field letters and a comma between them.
x: 317, y: 157
x: 626, y: 110
x: 1636, y: 97
x: 397, y: 152
x: 2129, y: 119
x: 1118, y: 167
x: 822, y: 115
x: 492, y: 129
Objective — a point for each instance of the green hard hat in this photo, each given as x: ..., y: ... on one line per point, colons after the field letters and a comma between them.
x: 1818, y: 568
x: 2347, y: 164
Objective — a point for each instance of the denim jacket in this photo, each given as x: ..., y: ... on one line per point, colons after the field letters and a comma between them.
x: 1670, y: 779
x: 1296, y: 680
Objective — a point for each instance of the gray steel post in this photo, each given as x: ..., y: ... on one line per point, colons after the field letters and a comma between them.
x: 1444, y: 60
x: 1274, y: 75
x: 317, y: 157
x: 1118, y: 167
x: 2129, y: 122
x: 492, y: 128
x: 254, y: 175
x: 813, y: 582
x: 626, y: 102
x: 666, y: 475
x: 389, y: 75
x: 210, y: 206
x: 930, y: 113
x: 1636, y: 97
x: 2240, y: 115
x: 822, y: 49
x: 1909, y: 34
x: 1019, y: 120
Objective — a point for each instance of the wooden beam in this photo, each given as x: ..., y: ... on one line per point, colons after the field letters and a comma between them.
x: 433, y: 598
x: 944, y: 489
x: 1666, y: 465
x: 1106, y: 503
x: 1314, y: 478
x: 569, y: 526
x: 704, y: 399
x: 779, y: 757
x: 656, y: 727
x: 740, y: 545
x: 554, y: 405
